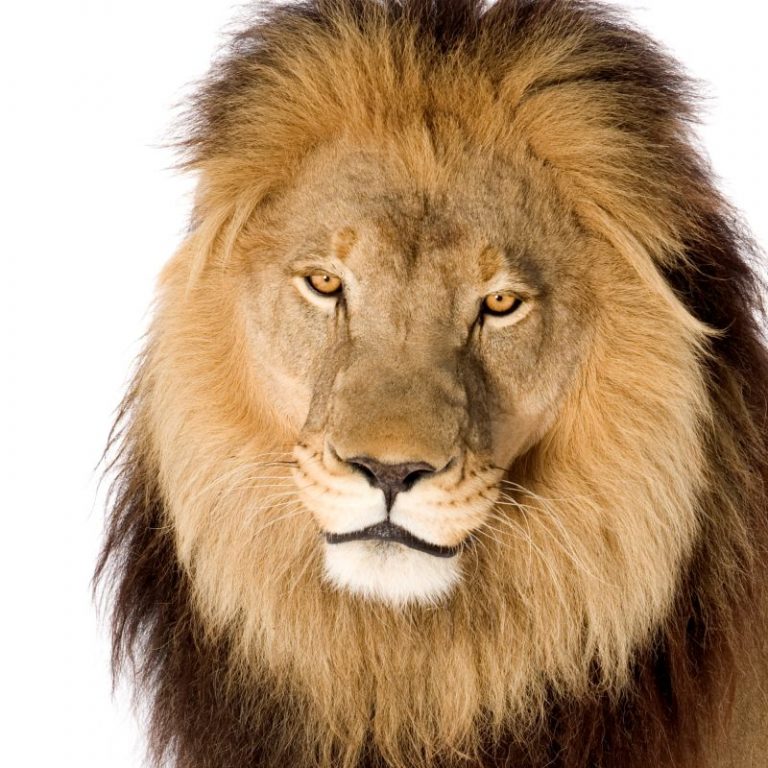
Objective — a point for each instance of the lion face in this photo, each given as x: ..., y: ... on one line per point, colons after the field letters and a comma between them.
x: 425, y: 339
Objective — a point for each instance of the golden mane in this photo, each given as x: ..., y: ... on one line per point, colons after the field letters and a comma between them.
x: 573, y: 89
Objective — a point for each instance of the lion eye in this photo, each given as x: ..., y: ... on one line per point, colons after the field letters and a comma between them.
x: 500, y: 304
x: 323, y: 283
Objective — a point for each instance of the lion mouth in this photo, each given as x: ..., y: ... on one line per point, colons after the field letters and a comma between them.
x: 390, y: 532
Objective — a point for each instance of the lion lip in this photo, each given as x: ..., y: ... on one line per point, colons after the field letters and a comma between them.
x: 388, y: 531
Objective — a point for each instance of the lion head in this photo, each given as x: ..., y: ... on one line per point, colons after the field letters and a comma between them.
x: 448, y: 443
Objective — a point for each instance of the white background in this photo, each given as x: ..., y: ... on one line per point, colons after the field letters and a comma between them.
x: 89, y: 211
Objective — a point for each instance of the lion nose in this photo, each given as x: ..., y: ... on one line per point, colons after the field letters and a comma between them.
x: 391, y: 478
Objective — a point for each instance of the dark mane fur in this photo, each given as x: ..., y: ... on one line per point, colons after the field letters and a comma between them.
x: 200, y: 719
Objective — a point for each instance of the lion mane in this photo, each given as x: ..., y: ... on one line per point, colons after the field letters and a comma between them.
x: 249, y: 662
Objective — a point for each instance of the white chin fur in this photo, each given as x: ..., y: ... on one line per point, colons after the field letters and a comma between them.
x: 390, y: 573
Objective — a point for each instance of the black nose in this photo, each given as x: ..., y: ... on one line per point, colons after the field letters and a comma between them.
x: 391, y: 478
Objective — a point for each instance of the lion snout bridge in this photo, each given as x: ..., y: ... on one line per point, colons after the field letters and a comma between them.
x: 391, y: 478
x: 395, y: 419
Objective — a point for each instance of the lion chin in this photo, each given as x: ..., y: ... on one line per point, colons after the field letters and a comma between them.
x: 447, y: 448
x: 390, y: 572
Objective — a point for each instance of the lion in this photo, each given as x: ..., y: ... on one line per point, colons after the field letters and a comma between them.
x: 448, y: 444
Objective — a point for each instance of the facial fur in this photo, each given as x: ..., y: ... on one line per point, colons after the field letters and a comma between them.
x: 579, y: 460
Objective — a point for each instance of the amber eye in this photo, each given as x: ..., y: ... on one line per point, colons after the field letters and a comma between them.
x: 324, y: 283
x: 501, y: 303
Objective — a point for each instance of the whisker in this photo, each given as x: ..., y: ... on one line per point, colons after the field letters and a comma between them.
x: 492, y: 534
x: 272, y: 477
x: 538, y: 497
x: 299, y: 576
x: 555, y: 578
x: 565, y: 543
x: 281, y: 518
x: 272, y: 500
x: 520, y: 534
x: 271, y: 453
x: 249, y: 470
x: 282, y: 504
